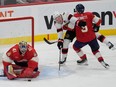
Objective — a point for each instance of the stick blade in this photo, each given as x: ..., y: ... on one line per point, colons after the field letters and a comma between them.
x: 48, y: 42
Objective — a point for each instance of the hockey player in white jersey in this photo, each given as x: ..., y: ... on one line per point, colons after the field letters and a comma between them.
x: 61, y: 23
x: 65, y: 21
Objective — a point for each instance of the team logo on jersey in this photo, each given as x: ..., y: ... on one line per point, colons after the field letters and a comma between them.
x: 16, y: 57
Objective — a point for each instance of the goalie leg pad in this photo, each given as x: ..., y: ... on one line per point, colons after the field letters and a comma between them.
x: 29, y: 73
x: 10, y: 72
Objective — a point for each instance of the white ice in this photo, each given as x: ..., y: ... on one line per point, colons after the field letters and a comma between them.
x: 70, y: 74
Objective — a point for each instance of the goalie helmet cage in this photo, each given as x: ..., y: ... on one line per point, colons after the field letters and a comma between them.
x: 14, y: 26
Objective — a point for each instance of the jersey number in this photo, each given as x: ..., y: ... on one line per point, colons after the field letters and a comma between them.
x: 84, y: 29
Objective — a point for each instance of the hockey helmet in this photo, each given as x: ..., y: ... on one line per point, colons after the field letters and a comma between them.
x: 23, y: 47
x: 80, y: 8
x: 56, y: 14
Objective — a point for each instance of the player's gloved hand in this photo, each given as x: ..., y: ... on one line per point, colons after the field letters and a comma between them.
x: 60, y: 43
x: 26, y: 73
x: 96, y: 28
x: 81, y: 23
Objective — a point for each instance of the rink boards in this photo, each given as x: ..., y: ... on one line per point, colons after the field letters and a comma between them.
x: 43, y: 19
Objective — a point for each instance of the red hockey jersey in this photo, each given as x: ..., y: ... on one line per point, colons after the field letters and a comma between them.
x: 86, y: 33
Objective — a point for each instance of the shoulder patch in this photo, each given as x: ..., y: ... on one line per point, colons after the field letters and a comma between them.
x: 8, y: 54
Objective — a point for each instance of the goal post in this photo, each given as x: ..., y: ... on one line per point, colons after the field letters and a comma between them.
x: 14, y: 30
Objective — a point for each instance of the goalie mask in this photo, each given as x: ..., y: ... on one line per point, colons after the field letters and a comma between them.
x: 57, y: 17
x: 23, y: 47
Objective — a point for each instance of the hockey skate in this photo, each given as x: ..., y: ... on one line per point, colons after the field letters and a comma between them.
x: 82, y: 62
x: 63, y: 61
x: 111, y: 46
x: 105, y: 64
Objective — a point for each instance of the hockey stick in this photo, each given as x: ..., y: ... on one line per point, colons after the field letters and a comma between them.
x: 48, y: 42
x: 59, y: 57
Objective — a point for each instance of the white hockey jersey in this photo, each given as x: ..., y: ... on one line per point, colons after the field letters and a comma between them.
x: 70, y: 23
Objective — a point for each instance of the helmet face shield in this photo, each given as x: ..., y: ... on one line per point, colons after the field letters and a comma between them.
x: 23, y: 47
x: 57, y: 17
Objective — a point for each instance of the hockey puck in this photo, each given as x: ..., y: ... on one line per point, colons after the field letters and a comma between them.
x: 29, y: 80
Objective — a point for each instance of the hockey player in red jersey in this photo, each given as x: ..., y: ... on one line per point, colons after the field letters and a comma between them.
x: 21, y: 61
x: 85, y: 35
x: 62, y: 23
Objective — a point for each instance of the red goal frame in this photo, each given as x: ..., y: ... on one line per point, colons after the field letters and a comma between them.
x: 22, y: 18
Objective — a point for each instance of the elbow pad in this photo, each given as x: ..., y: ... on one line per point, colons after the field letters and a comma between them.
x: 96, y: 28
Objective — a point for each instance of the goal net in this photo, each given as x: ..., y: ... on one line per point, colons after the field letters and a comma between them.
x: 14, y: 30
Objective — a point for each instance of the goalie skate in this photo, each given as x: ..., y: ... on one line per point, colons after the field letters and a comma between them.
x: 82, y: 62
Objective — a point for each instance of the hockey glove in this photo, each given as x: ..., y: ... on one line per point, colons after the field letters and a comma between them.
x: 96, y: 28
x: 82, y: 24
x: 60, y: 43
x: 26, y: 73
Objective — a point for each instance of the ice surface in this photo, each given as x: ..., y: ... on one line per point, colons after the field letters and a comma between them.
x: 71, y: 74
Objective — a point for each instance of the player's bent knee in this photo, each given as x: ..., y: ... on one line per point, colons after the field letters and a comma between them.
x: 76, y: 49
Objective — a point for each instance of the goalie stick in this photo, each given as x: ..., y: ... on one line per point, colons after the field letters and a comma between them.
x: 2, y: 75
x: 48, y: 42
x: 23, y: 79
